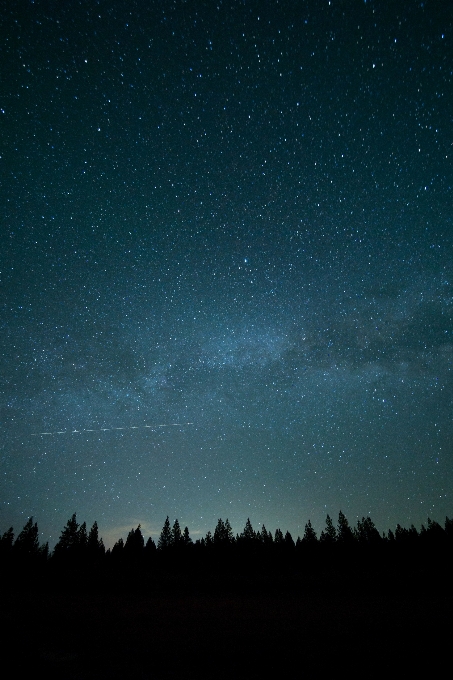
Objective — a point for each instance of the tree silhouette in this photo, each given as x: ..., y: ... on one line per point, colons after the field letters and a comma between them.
x: 266, y: 537
x: 95, y: 545
x: 366, y: 532
x: 135, y: 542
x: 166, y: 538
x: 247, y: 537
x: 309, y: 538
x: 186, y: 540
x: 329, y: 534
x: 223, y: 533
x: 176, y: 534
x: 345, y: 533
x: 27, y: 542
x: 118, y: 549
x: 69, y: 539
x: 278, y: 537
x: 150, y: 547
x: 6, y: 541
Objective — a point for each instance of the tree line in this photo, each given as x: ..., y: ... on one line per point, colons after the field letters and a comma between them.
x: 78, y: 546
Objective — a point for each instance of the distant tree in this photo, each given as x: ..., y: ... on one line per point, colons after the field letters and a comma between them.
x: 134, y: 542
x: 69, y: 539
x: 449, y: 527
x: 266, y: 536
x: 150, y: 547
x: 435, y: 529
x: 82, y: 537
x: 166, y: 538
x: 6, y: 541
x: 220, y: 533
x: 329, y: 534
x: 44, y: 552
x: 186, y: 540
x: 208, y: 541
x: 27, y: 542
x: 247, y: 537
x: 289, y: 541
x: 278, y: 537
x: 176, y: 534
x: 345, y: 534
x: 390, y: 536
x: 366, y: 532
x: 400, y: 533
x: 223, y: 533
x: 118, y: 549
x: 309, y: 538
x: 95, y: 544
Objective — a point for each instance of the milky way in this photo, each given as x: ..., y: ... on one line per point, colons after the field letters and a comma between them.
x: 238, y: 218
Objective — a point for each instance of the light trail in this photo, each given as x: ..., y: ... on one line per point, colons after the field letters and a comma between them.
x: 110, y: 429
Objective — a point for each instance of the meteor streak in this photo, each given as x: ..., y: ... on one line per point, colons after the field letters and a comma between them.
x: 109, y: 429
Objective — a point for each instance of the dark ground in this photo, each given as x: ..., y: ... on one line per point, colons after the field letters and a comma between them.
x: 153, y: 632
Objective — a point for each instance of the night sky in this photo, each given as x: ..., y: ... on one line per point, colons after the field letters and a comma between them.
x: 230, y: 222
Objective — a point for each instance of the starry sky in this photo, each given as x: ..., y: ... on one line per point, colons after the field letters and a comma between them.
x: 231, y: 222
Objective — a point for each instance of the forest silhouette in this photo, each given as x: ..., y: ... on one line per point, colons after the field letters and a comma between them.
x: 242, y: 605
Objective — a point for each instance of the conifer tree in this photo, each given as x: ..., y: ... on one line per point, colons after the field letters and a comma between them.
x: 329, y: 534
x: 289, y: 542
x: 69, y: 539
x: 229, y: 531
x: 134, y: 542
x: 176, y: 534
x: 95, y: 545
x: 186, y: 540
x: 118, y: 549
x: 345, y: 533
x: 6, y: 541
x: 219, y: 533
x: 279, y: 538
x: 266, y: 536
x: 309, y: 537
x: 82, y: 537
x: 165, y: 539
x: 366, y: 532
x: 248, y: 534
x: 150, y: 547
x: 27, y: 542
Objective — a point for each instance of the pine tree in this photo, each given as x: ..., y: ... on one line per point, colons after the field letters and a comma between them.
x: 82, y: 537
x: 309, y: 537
x: 134, y: 542
x: 176, y: 534
x: 329, y: 534
x: 95, y: 545
x: 289, y: 541
x: 279, y: 538
x: 150, y: 547
x: 27, y: 542
x: 229, y: 531
x: 366, y: 532
x: 165, y: 539
x: 69, y: 539
x: 266, y: 536
x: 220, y: 533
x: 6, y: 541
x: 118, y: 549
x: 186, y: 540
x: 345, y: 533
x: 248, y: 533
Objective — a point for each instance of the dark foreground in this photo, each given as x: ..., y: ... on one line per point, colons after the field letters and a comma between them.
x: 246, y: 631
